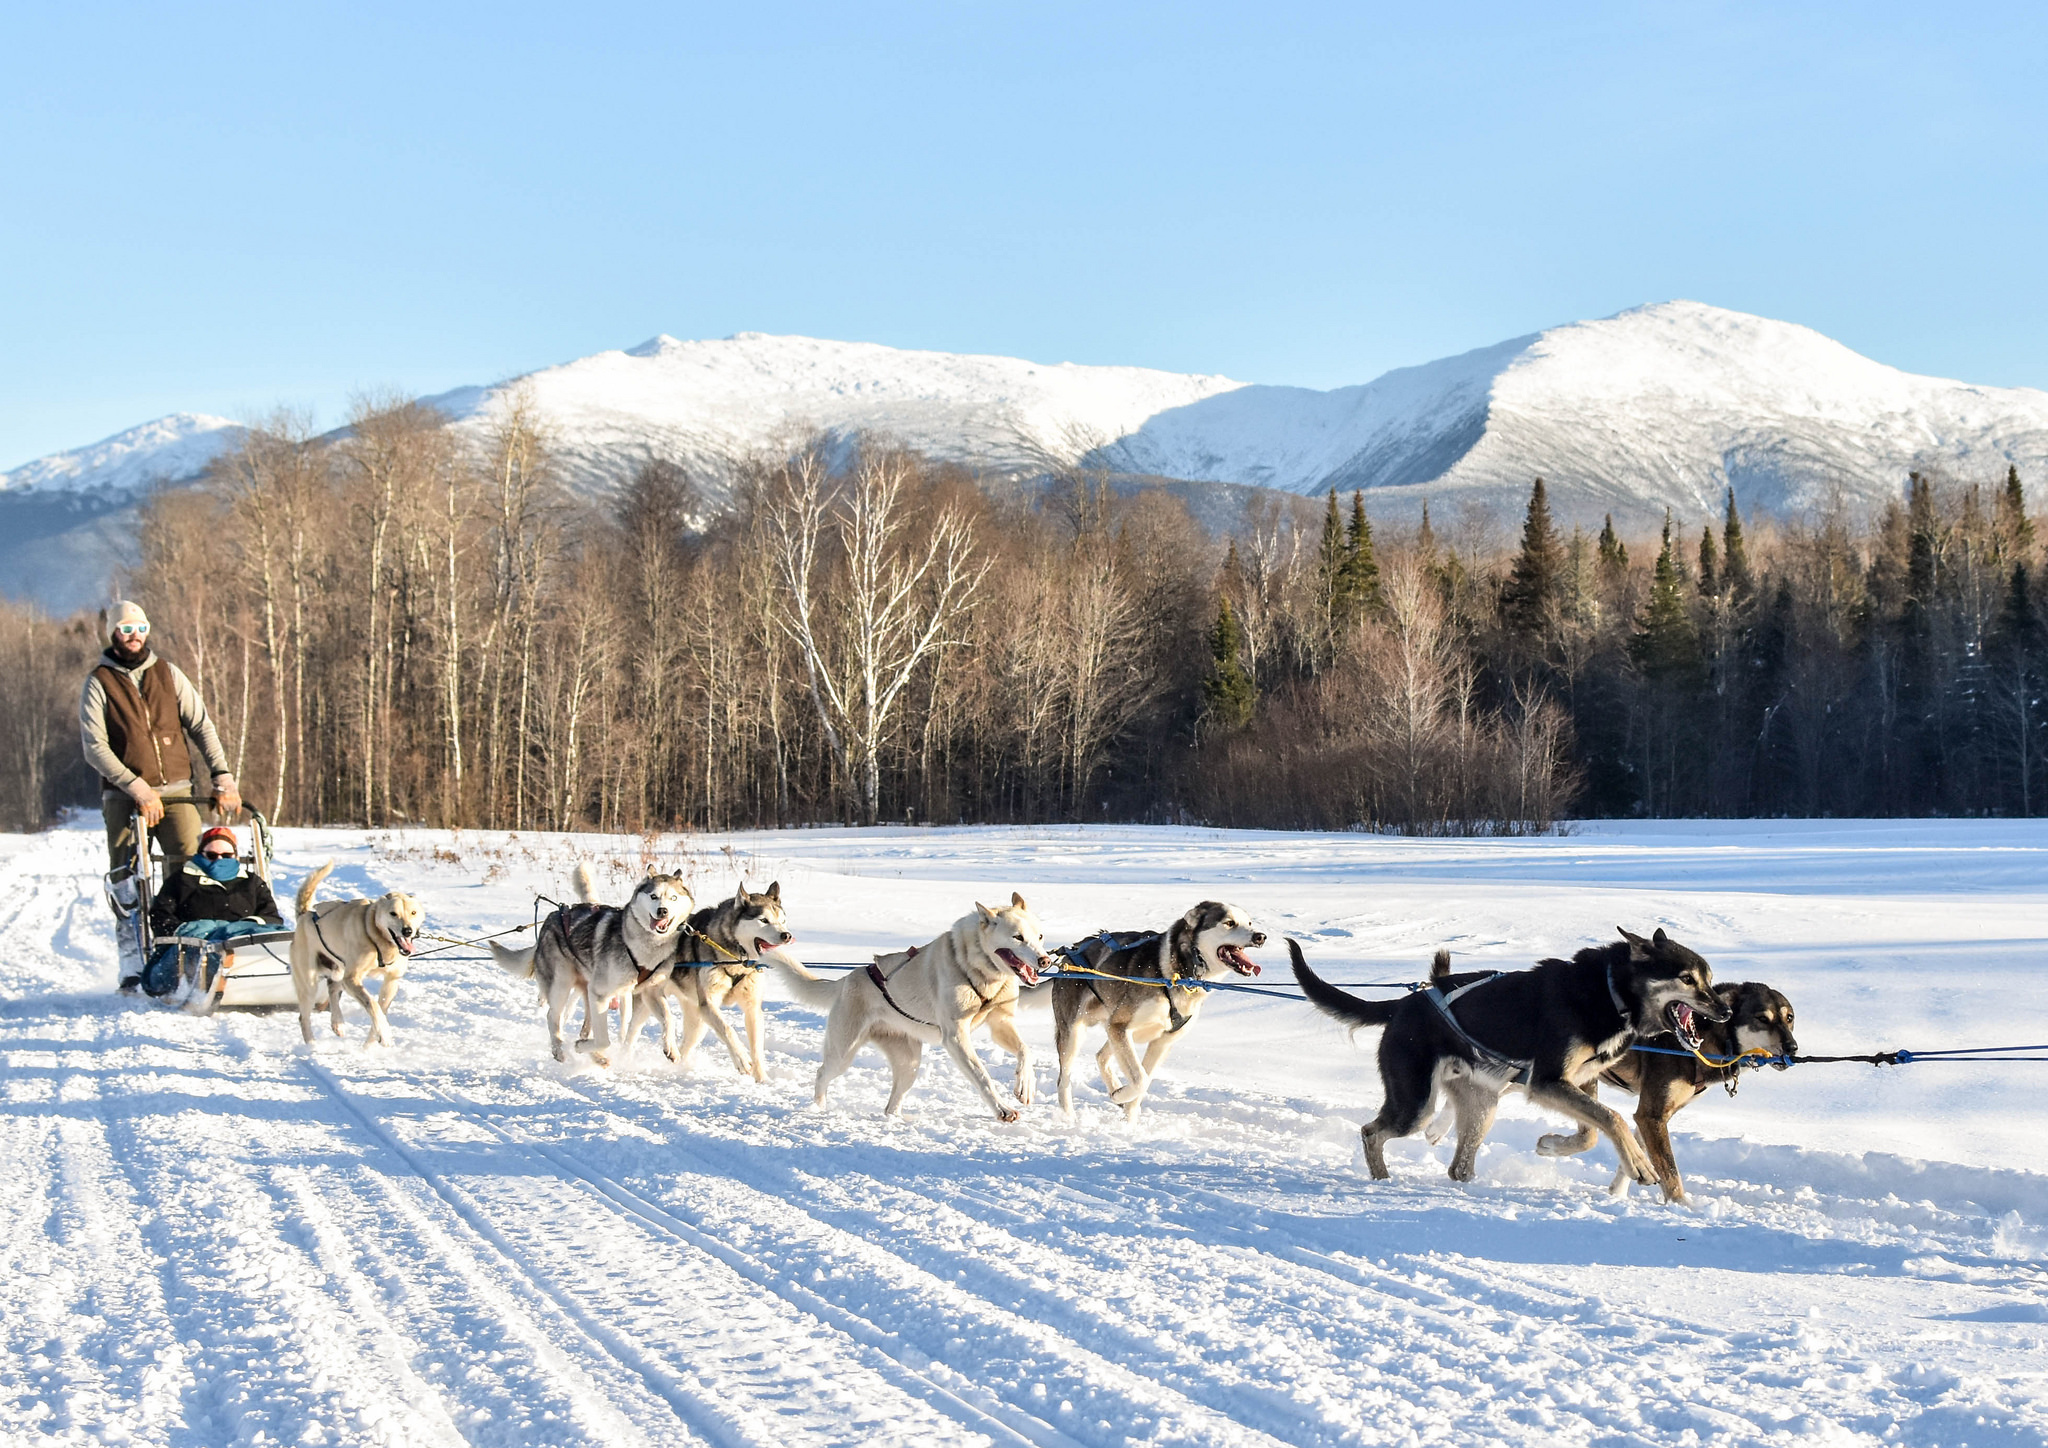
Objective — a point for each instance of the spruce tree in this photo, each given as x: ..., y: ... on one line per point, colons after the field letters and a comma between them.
x: 2013, y: 523
x: 1361, y: 566
x: 1331, y: 575
x: 1666, y: 646
x: 1529, y: 601
x: 1709, y: 565
x: 1425, y: 538
x: 1920, y: 580
x: 1613, y: 552
x: 1734, y: 553
x: 1227, y: 693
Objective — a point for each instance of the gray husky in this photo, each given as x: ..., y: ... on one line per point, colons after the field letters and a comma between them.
x: 600, y: 951
x: 1138, y: 1007
x: 715, y: 966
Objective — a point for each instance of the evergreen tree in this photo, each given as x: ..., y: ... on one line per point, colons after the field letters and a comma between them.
x: 1227, y: 693
x: 1920, y: 579
x: 1529, y: 601
x: 1666, y: 646
x: 1613, y: 553
x: 1332, y: 578
x: 1734, y: 553
x: 2015, y: 652
x: 1425, y: 538
x: 1709, y: 565
x: 2015, y: 528
x: 1330, y: 552
x: 1361, y: 566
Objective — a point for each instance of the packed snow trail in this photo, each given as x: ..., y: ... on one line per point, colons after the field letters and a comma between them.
x: 216, y: 1236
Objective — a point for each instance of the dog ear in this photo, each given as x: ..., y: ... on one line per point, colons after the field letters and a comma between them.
x: 987, y: 914
x: 1658, y: 939
x: 775, y: 891
x: 1638, y: 948
x: 1017, y: 901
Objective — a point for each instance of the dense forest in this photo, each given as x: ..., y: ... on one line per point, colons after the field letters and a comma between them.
x: 390, y: 626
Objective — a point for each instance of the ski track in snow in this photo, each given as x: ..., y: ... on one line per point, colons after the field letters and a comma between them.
x: 216, y: 1236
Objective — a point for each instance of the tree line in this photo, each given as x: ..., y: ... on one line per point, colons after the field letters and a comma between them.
x: 396, y: 624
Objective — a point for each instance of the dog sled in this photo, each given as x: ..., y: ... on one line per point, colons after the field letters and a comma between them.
x: 259, y: 974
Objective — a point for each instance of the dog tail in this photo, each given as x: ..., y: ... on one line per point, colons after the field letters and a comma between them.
x: 815, y: 991
x: 585, y: 884
x: 1440, y: 967
x: 308, y: 887
x: 515, y: 961
x: 1337, y: 1004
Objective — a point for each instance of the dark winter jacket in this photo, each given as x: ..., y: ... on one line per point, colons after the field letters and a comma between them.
x: 192, y: 894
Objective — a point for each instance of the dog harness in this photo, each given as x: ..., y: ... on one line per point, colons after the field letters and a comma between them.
x: 874, y: 973
x: 882, y: 984
x: 334, y: 955
x: 1119, y: 941
x: 1520, y: 1072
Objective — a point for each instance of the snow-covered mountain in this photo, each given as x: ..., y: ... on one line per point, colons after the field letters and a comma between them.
x: 708, y: 405
x: 172, y: 449
x: 1662, y: 406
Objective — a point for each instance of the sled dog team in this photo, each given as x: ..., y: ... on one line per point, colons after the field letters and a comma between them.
x: 1554, y: 1031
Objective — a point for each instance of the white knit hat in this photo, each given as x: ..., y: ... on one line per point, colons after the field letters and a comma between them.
x: 126, y: 611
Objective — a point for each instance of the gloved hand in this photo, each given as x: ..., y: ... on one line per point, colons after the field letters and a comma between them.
x: 147, y: 803
x: 227, y: 797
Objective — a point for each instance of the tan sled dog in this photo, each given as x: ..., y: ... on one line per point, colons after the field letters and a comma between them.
x: 936, y: 994
x: 342, y: 942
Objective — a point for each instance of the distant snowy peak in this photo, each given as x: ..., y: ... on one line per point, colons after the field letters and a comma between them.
x: 1661, y: 406
x: 712, y: 404
x: 169, y: 450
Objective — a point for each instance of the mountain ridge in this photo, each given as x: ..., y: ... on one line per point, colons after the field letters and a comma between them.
x: 1660, y: 406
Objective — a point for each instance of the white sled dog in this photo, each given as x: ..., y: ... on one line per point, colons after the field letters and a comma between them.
x: 1137, y: 1006
x: 935, y: 994
x: 600, y: 951
x: 716, y: 965
x: 342, y: 942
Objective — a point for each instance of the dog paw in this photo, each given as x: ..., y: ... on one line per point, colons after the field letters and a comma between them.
x: 1007, y: 1114
x: 1126, y: 1095
x: 1553, y: 1144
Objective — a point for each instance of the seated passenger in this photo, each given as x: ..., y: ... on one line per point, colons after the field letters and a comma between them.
x: 212, y: 898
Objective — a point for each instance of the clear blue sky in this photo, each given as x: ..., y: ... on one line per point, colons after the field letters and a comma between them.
x: 218, y: 209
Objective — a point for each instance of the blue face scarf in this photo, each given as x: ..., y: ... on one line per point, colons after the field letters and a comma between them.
x: 224, y: 869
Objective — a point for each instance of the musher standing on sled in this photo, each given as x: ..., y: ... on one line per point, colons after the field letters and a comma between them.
x: 134, y: 718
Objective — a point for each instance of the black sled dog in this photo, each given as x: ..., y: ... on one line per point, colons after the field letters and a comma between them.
x: 1550, y: 1030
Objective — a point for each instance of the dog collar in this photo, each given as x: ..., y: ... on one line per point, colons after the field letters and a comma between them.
x: 1627, y: 1017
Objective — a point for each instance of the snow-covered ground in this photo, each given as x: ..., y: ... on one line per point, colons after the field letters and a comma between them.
x: 215, y: 1236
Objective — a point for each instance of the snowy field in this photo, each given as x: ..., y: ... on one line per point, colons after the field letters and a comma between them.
x: 215, y: 1236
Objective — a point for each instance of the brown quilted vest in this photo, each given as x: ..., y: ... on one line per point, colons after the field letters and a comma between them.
x: 142, y: 724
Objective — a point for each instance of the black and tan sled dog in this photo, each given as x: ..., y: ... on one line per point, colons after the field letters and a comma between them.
x: 1550, y: 1030
x: 1759, y: 1019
